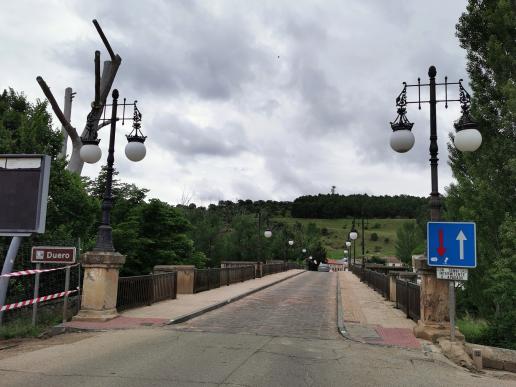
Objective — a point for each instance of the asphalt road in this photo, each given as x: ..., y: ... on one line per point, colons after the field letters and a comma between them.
x: 283, y: 336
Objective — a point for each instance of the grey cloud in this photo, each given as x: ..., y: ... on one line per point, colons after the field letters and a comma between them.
x: 188, y: 139
x: 177, y: 48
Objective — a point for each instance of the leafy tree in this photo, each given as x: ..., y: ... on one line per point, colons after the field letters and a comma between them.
x: 27, y: 128
x: 154, y: 233
x: 408, y: 239
x: 484, y: 191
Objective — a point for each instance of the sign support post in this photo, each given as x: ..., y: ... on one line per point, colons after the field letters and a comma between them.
x: 67, y: 287
x: 7, y: 268
x: 451, y: 308
x: 36, y: 295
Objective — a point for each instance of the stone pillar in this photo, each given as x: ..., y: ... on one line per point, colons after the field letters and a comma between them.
x: 185, y: 276
x: 100, y: 285
x: 435, y: 317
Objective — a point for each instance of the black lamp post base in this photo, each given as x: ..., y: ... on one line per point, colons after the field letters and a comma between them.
x: 104, y: 239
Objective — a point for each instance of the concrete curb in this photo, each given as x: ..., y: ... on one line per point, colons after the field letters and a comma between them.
x: 494, y: 357
x: 220, y: 304
x: 340, y: 318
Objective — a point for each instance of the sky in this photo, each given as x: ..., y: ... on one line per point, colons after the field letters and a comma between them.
x: 252, y: 99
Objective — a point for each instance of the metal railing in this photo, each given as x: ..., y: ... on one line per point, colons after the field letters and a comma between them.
x: 358, y: 271
x: 272, y: 268
x: 378, y: 281
x: 408, y: 296
x: 145, y: 289
x: 206, y: 279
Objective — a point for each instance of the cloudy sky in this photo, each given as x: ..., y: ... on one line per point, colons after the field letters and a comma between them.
x: 250, y: 99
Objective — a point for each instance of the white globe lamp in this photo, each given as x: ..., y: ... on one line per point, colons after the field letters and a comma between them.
x: 402, y: 140
x: 135, y: 150
x: 267, y: 233
x: 90, y: 152
x: 467, y: 140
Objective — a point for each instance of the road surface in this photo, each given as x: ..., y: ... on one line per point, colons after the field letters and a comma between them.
x: 283, y: 336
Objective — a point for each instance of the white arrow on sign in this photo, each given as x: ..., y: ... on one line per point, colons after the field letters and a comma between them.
x: 461, y: 238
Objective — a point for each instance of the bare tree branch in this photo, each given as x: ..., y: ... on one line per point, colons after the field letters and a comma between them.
x: 107, y: 122
x: 57, y: 110
x: 104, y: 39
x: 97, y: 77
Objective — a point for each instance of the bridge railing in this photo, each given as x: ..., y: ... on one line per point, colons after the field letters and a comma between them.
x: 395, y: 287
x: 145, y: 290
x: 206, y: 279
x: 408, y: 298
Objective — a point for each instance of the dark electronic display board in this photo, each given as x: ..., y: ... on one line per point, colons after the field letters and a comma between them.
x: 23, y: 193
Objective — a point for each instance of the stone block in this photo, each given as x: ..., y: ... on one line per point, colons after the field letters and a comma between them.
x: 100, y: 285
x: 185, y: 276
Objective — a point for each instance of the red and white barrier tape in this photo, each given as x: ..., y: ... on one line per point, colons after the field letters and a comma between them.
x: 21, y: 304
x: 33, y: 271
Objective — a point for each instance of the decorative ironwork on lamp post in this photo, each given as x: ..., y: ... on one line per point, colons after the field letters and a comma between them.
x: 91, y: 153
x: 467, y: 138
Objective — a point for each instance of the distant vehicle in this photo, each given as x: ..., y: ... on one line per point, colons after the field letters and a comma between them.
x: 324, y: 267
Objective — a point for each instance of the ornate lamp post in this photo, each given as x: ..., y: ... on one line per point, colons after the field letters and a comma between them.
x: 101, y: 265
x: 348, y: 250
x: 434, y: 292
x: 289, y: 246
x: 353, y: 235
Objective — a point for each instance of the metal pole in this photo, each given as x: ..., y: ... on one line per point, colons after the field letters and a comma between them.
x: 36, y: 295
x: 451, y: 307
x: 67, y: 287
x: 435, y: 201
x: 363, y: 244
x: 104, y: 235
x: 7, y: 268
x: 260, y: 252
x: 354, y: 252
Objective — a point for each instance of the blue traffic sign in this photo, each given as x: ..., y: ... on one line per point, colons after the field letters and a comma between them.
x: 451, y: 244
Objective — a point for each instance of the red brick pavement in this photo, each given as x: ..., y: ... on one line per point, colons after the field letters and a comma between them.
x: 401, y: 337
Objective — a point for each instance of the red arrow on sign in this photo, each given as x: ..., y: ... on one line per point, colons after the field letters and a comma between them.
x: 441, y: 249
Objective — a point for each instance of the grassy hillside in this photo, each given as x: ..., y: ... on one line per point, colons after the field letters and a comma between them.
x: 335, y: 232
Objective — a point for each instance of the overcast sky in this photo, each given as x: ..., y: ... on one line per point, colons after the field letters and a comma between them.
x: 250, y: 99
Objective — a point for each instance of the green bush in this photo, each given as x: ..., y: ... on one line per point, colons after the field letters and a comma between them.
x: 475, y: 331
x: 374, y: 237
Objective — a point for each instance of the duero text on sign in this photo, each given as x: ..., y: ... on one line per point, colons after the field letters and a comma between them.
x: 52, y: 254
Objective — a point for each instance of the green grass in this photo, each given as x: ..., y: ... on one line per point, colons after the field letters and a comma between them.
x: 22, y: 327
x: 473, y: 329
x: 338, y: 230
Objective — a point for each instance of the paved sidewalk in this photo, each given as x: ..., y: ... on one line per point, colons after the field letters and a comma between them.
x: 369, y: 318
x: 186, y: 306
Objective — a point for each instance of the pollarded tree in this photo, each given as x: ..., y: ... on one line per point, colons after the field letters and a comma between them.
x: 103, y: 85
